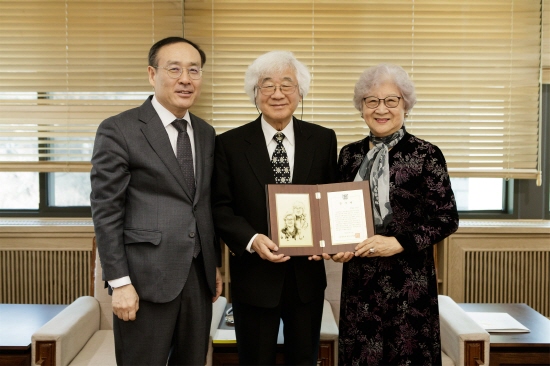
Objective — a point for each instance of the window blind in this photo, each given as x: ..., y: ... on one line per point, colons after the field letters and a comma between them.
x: 476, y: 66
x: 546, y: 41
x: 65, y: 66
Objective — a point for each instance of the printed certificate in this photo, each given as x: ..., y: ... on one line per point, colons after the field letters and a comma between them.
x: 346, y: 211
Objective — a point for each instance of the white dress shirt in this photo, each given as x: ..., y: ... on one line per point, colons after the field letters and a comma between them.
x: 289, y: 143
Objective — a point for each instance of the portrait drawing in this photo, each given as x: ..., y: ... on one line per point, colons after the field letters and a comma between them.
x: 294, y: 220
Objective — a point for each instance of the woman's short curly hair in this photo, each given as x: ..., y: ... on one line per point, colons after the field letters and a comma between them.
x: 376, y: 75
x: 271, y: 63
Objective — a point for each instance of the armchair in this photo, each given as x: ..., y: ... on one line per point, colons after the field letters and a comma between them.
x: 82, y: 333
x: 463, y: 341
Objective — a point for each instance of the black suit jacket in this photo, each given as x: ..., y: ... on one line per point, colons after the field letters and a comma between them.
x: 241, y: 171
x: 145, y: 220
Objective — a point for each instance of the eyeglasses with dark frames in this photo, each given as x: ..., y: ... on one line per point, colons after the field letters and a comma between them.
x: 372, y: 102
x: 176, y: 72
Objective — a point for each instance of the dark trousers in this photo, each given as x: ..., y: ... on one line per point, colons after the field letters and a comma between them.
x: 256, y: 328
x: 175, y: 332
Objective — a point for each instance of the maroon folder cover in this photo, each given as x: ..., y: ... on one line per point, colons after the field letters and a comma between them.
x: 322, y: 218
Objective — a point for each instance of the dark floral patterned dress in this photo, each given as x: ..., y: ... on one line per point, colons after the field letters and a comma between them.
x: 389, y: 312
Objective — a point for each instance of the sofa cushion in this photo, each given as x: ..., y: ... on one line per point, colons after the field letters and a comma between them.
x: 446, y: 360
x: 100, y: 350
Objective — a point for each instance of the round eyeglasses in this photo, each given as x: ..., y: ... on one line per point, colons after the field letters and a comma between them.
x: 269, y: 89
x: 373, y: 102
x: 175, y: 72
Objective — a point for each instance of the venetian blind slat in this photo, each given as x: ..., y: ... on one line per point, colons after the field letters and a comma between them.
x: 65, y: 65
x: 476, y: 67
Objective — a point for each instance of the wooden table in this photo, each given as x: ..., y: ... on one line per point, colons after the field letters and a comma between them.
x: 18, y: 322
x: 531, y: 348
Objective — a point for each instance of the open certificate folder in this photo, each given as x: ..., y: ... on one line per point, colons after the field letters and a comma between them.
x: 322, y: 218
x: 498, y: 322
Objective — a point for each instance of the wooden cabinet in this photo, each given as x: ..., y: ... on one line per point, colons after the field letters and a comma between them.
x: 19, y: 322
x: 326, y: 353
x: 532, y: 348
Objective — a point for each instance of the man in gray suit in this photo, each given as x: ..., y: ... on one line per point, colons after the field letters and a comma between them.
x: 151, y: 171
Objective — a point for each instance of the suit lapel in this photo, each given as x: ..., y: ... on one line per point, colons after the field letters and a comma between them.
x: 257, y: 154
x: 303, y: 153
x: 155, y: 133
x: 201, y: 142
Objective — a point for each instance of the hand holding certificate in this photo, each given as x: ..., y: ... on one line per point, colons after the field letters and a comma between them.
x: 315, y: 219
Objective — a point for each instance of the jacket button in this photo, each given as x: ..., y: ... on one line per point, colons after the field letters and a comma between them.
x: 191, y: 234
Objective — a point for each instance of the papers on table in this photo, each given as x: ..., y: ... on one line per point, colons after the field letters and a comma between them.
x: 224, y: 336
x: 498, y: 322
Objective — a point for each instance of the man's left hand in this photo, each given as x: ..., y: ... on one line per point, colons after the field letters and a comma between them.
x: 219, y: 284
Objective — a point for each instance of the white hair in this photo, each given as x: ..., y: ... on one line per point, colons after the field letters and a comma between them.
x: 376, y: 75
x: 271, y: 63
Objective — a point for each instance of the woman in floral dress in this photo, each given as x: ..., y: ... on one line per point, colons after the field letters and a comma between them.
x: 389, y: 311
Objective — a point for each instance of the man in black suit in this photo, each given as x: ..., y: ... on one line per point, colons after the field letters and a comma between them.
x: 151, y: 207
x: 266, y: 287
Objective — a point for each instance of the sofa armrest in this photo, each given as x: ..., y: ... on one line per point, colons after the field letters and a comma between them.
x: 58, y: 341
x: 218, y: 312
x: 329, y: 328
x: 329, y: 331
x: 462, y: 339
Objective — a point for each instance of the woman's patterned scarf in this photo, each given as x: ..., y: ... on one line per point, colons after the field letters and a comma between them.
x: 375, y: 167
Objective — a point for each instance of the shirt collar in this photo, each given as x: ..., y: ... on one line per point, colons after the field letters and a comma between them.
x: 166, y: 116
x: 269, y: 131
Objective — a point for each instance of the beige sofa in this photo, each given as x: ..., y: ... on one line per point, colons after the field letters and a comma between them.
x: 463, y: 341
x: 82, y: 333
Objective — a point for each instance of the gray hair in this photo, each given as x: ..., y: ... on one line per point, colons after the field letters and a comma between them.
x: 274, y: 62
x: 376, y: 75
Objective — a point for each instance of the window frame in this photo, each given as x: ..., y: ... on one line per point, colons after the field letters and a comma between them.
x: 513, y: 207
x: 545, y: 148
x: 507, y: 203
x: 45, y: 210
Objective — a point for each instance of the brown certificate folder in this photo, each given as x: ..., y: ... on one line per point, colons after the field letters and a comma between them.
x: 323, y: 218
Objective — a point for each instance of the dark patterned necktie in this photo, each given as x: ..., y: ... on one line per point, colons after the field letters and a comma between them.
x: 185, y: 160
x: 184, y: 154
x: 279, y: 161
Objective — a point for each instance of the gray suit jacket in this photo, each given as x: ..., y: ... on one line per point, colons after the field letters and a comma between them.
x: 145, y: 221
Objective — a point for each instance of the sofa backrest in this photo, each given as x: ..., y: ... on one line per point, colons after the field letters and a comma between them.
x: 334, y: 285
